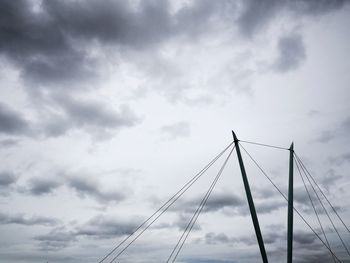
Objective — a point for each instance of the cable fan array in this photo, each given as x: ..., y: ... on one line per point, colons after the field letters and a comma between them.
x: 311, y: 187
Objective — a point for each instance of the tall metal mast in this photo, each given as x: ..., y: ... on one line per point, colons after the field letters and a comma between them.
x: 250, y: 201
x: 290, y: 207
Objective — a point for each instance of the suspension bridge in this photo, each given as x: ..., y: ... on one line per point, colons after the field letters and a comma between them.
x: 315, y: 194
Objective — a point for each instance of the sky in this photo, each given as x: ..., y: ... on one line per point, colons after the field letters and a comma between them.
x: 107, y: 108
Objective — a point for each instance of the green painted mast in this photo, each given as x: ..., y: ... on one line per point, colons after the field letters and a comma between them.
x: 250, y: 201
x: 290, y: 207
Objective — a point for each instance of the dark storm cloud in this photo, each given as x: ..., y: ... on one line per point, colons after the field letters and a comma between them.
x: 84, y: 186
x: 309, y: 249
x: 316, y: 7
x: 106, y: 227
x: 264, y: 193
x: 22, y: 219
x: 7, y: 143
x: 90, y: 115
x: 12, y: 122
x: 256, y: 15
x: 220, y: 201
x: 7, y: 182
x: 176, y: 130
x: 36, y: 42
x: 273, y: 238
x: 303, y: 203
x: 213, y: 238
x: 35, y: 256
x: 291, y: 52
x: 40, y: 186
x: 56, y: 239
x: 269, y: 238
x: 7, y: 178
x: 99, y: 227
x: 217, y: 201
x: 51, y: 43
x: 229, y: 204
x: 183, y: 220
x: 62, y: 114
x: 93, y: 113
x: 302, y: 200
x: 269, y: 206
x: 87, y: 187
x: 303, y: 238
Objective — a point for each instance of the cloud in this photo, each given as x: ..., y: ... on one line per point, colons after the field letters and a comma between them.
x: 256, y: 15
x: 7, y: 181
x: 62, y: 114
x: 12, y: 122
x: 264, y: 193
x: 85, y: 186
x: 309, y: 249
x: 22, y: 219
x: 212, y: 239
x: 228, y: 204
x: 325, y: 137
x: 183, y: 220
x: 221, y: 238
x: 92, y: 116
x: 176, y: 130
x: 340, y: 159
x: 303, y: 238
x: 40, y: 186
x: 330, y: 179
x: 291, y: 53
x: 52, y: 43
x: 270, y: 237
x: 56, y: 239
x: 7, y: 143
x: 7, y: 178
x: 340, y: 131
x: 266, y: 207
x: 38, y: 45
x: 216, y: 202
x: 302, y: 200
x: 315, y: 7
x: 99, y: 227
x: 88, y: 187
x: 107, y: 227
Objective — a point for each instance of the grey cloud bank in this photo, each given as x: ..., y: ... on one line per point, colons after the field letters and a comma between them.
x: 48, y: 43
x: 21, y: 219
x: 11, y: 122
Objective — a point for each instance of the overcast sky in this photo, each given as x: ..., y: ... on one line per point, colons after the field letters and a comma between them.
x: 108, y: 107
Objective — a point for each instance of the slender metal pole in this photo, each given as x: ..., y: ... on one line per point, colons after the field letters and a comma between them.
x: 290, y: 207
x: 250, y: 202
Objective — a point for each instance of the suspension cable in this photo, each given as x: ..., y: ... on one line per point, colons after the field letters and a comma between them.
x: 197, y: 212
x: 266, y: 145
x: 296, y: 210
x: 319, y: 188
x: 313, y: 206
x: 164, y: 207
x: 330, y: 219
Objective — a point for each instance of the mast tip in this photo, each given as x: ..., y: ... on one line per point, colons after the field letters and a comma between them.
x: 291, y: 146
x: 234, y: 136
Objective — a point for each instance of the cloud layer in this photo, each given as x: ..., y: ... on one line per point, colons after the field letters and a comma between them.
x: 107, y: 103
